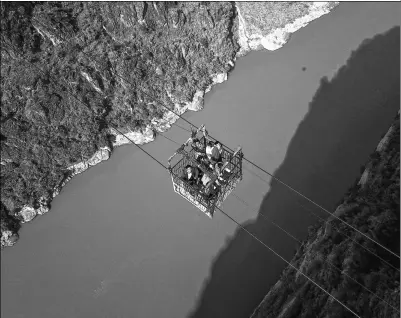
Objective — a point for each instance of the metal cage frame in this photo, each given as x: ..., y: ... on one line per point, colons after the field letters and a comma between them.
x: 193, y: 194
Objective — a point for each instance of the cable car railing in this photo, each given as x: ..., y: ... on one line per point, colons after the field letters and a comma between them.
x: 256, y: 238
x: 219, y: 186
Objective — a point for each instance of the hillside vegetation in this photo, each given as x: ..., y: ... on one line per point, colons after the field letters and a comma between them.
x: 138, y: 55
x: 335, y: 256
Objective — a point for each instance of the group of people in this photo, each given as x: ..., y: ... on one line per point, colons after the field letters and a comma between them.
x: 210, y: 155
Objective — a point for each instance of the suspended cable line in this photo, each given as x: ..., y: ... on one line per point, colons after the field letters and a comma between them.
x: 267, y: 219
x: 268, y: 247
x: 169, y: 138
x: 181, y: 127
x: 73, y: 96
x: 93, y: 59
x: 324, y: 209
x: 277, y: 179
x: 331, y: 224
x: 288, y: 263
x: 301, y: 243
x: 224, y: 213
x: 325, y: 259
x: 349, y: 237
x: 256, y: 175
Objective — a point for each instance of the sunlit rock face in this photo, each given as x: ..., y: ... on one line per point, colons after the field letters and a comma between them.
x: 131, y: 65
x: 269, y: 24
x: 122, y: 62
x: 99, y: 156
x: 27, y: 214
x: 8, y: 238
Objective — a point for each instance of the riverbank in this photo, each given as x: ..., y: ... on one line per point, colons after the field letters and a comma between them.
x: 118, y: 240
x: 78, y: 137
x: 28, y: 213
x: 336, y: 257
x: 269, y: 25
x: 176, y: 72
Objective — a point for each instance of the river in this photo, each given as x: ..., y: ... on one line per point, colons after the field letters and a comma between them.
x: 118, y: 242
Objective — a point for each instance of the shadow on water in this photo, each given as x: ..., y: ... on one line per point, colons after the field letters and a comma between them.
x: 347, y: 117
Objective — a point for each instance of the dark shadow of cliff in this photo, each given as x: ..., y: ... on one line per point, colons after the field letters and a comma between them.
x: 347, y: 117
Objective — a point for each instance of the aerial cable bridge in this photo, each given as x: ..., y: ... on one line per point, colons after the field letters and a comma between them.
x: 230, y: 154
x: 160, y: 103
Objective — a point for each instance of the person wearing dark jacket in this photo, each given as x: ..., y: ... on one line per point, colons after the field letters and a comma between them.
x: 192, y: 175
x: 200, y: 151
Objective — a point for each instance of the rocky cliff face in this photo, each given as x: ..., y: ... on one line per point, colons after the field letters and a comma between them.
x: 70, y: 71
x: 104, y: 64
x: 337, y: 258
x: 269, y: 24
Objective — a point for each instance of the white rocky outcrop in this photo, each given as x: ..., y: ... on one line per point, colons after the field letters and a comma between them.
x: 139, y: 138
x: 91, y: 81
x: 364, y: 178
x: 99, y: 156
x: 384, y: 141
x: 342, y: 209
x: 218, y: 78
x: 28, y: 213
x: 287, y: 306
x: 45, y: 35
x: 197, y: 102
x: 169, y: 117
x: 8, y: 238
x: 5, y: 161
x: 253, y: 38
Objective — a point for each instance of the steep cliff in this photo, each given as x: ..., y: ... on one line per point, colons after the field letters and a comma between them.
x: 109, y: 64
x: 104, y: 64
x: 336, y: 257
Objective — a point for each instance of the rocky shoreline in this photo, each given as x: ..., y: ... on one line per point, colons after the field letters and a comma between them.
x: 248, y: 38
x: 256, y: 36
x: 28, y: 213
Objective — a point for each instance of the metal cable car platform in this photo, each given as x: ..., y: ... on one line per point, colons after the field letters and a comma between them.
x: 205, y: 197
